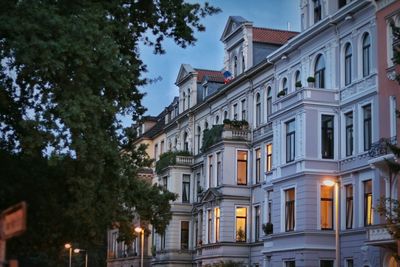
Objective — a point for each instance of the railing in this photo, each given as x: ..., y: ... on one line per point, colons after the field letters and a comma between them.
x: 184, y: 160
x: 378, y: 234
x: 262, y: 130
x: 381, y: 147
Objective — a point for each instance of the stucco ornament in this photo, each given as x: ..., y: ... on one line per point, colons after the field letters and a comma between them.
x: 365, y: 256
x: 391, y: 75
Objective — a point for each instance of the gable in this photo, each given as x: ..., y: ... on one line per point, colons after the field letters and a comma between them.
x: 184, y: 71
x: 233, y: 23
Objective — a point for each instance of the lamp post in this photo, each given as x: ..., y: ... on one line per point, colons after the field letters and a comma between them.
x: 78, y: 250
x: 69, y: 247
x: 337, y: 221
x: 141, y: 231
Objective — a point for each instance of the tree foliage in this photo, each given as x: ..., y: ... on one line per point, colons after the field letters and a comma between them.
x: 69, y: 70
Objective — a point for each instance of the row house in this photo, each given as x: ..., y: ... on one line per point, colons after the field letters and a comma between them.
x: 250, y: 159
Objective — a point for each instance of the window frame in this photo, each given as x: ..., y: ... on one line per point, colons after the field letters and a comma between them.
x: 184, y: 185
x: 268, y: 158
x: 366, y: 55
x: 217, y: 224
x: 348, y: 63
x: 290, y: 210
x: 290, y: 141
x: 349, y: 216
x: 245, y: 223
x: 330, y: 204
x: 368, y: 203
x: 367, y: 126
x: 258, y: 109
x: 257, y: 158
x: 349, y: 133
x: 326, y: 131
x: 182, y: 235
x: 319, y: 71
x: 237, y: 166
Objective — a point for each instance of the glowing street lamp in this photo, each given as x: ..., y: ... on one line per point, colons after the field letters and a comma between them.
x: 69, y: 247
x: 336, y: 185
x: 79, y: 250
x: 141, y: 231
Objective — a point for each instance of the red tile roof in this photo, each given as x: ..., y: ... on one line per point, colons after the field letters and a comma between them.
x: 272, y: 36
x: 214, y: 75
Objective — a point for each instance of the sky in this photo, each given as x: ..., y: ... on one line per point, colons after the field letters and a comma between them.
x: 208, y: 50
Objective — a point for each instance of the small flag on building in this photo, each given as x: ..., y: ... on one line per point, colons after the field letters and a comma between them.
x: 227, y: 77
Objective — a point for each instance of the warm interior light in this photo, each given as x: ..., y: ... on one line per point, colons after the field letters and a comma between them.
x: 67, y: 246
x: 138, y: 229
x: 328, y: 182
x: 77, y: 250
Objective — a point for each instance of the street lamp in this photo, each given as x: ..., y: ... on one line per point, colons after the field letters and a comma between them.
x: 141, y: 231
x: 78, y: 250
x: 336, y: 184
x: 69, y: 247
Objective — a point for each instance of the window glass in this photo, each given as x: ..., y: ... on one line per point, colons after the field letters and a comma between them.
x: 347, y: 64
x: 366, y: 55
x: 367, y: 127
x: 290, y: 264
x: 327, y: 137
x: 184, y: 235
x: 257, y: 216
x: 349, y: 206
x: 186, y: 188
x: 285, y: 86
x: 241, y: 224
x: 210, y: 171
x: 349, y: 133
x: 326, y: 263
x: 209, y: 225
x: 290, y: 141
x: 368, y: 202
x: 219, y: 168
x: 289, y: 209
x: 319, y: 74
x: 258, y: 165
x: 269, y: 101
x: 217, y: 223
x: 269, y: 158
x: 241, y: 167
x: 327, y: 207
x: 258, y: 109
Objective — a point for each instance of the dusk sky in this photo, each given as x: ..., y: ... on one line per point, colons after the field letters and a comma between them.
x: 208, y: 51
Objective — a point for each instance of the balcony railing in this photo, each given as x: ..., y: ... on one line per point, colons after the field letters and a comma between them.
x: 173, y: 158
x: 235, y: 130
x: 381, y: 147
x: 379, y: 235
x: 261, y: 131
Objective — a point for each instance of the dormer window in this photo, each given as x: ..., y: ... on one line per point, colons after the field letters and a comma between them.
x: 205, y: 91
x: 243, y: 64
x: 317, y: 11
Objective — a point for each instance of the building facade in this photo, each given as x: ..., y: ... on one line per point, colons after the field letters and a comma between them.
x: 249, y: 157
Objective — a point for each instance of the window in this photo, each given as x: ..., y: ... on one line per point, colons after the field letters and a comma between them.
x: 270, y: 206
x: 241, y: 224
x: 290, y: 264
x: 317, y: 11
x: 285, y: 86
x: 258, y: 165
x: 366, y: 55
x: 290, y: 141
x: 184, y: 234
x: 165, y: 182
x: 269, y: 101
x: 235, y: 112
x: 184, y: 101
x: 205, y: 92
x: 163, y: 241
x: 186, y: 142
x: 216, y: 120
x: 196, y: 231
x: 368, y: 203
x: 243, y: 63
x: 367, y: 127
x: 257, y: 215
x: 241, y: 167
x: 349, y: 206
x: 243, y: 104
x: 268, y: 163
x: 258, y: 109
x: 327, y: 207
x: 349, y: 133
x: 349, y: 263
x: 210, y: 171
x: 235, y: 66
x: 347, y: 64
x: 225, y: 115
x: 162, y: 147
x: 217, y: 222
x: 209, y: 225
x: 198, y: 186
x: 327, y: 136
x: 198, y: 139
x: 326, y: 263
x: 186, y: 188
x: 219, y: 168
x: 297, y: 77
x: 289, y: 209
x: 341, y: 3
x: 188, y: 96
x: 319, y: 73
x: 156, y: 151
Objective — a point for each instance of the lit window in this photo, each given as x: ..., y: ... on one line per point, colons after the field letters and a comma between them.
x: 219, y: 168
x: 258, y: 109
x: 326, y: 207
x: 258, y: 165
x: 367, y: 203
x: 257, y: 216
x: 186, y: 188
x: 327, y: 136
x: 366, y: 55
x: 184, y: 235
x: 241, y: 167
x: 217, y: 222
x: 367, y: 127
x: 290, y: 141
x: 349, y: 133
x: 347, y: 64
x: 241, y: 224
x: 349, y: 206
x: 268, y: 165
x: 289, y: 209
x: 319, y: 72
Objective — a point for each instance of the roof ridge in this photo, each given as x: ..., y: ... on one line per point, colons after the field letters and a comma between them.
x: 271, y: 29
x: 207, y: 70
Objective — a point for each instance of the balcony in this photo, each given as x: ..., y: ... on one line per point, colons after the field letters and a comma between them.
x: 380, y: 152
x: 312, y: 95
x: 177, y: 158
x: 379, y: 236
x: 262, y: 131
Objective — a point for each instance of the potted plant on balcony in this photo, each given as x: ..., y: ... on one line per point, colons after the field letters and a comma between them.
x: 311, y: 81
x: 298, y: 85
x: 268, y: 228
x: 281, y: 93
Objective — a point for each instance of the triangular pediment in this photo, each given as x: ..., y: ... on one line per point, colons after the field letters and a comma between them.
x: 234, y: 22
x: 184, y: 71
x: 210, y: 195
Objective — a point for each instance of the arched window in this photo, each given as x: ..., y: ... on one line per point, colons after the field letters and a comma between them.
x: 319, y: 72
x: 243, y: 64
x: 285, y: 86
x: 216, y: 120
x: 175, y: 144
x: 188, y: 98
x: 186, y: 142
x: 258, y: 109
x: 347, y: 64
x: 225, y: 114
x: 198, y: 139
x: 297, y: 78
x: 269, y: 101
x: 206, y: 125
x: 366, y: 55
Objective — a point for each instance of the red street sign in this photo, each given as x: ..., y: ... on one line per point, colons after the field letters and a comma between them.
x: 14, y: 220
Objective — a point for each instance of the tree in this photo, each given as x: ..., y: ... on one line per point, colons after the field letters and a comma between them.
x: 69, y: 70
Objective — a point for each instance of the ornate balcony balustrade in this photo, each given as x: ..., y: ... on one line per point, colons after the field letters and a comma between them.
x: 381, y: 147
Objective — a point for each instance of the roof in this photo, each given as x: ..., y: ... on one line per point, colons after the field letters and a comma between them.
x: 153, y: 131
x: 272, y: 36
x: 215, y: 75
